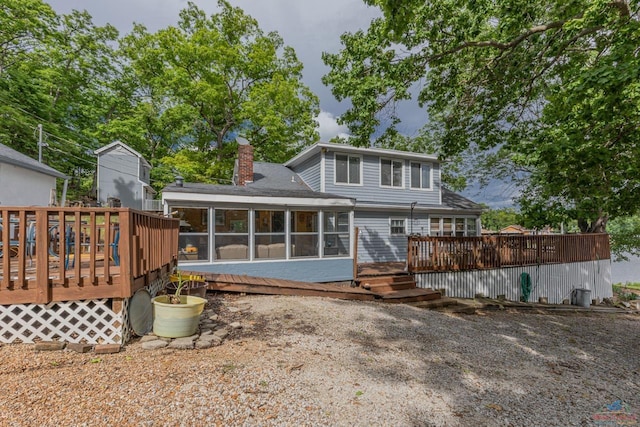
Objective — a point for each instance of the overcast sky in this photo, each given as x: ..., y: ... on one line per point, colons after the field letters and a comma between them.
x: 310, y: 27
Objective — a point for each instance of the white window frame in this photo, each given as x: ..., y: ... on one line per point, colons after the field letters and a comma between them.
x: 397, y: 218
x: 421, y: 187
x: 440, y: 220
x: 335, y: 169
x: 392, y: 169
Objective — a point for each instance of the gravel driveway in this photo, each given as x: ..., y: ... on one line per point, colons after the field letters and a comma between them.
x: 313, y: 361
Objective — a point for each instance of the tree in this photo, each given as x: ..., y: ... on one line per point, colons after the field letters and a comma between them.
x: 625, y: 237
x: 548, y: 91
x: 497, y: 219
x: 221, y: 76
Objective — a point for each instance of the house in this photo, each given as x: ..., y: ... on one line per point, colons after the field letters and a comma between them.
x: 297, y: 220
x: 25, y: 181
x: 123, y: 178
x: 515, y: 229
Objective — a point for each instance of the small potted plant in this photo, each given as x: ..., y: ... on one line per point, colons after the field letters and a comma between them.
x: 176, y: 315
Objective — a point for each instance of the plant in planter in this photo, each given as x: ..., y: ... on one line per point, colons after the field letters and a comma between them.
x: 177, y: 315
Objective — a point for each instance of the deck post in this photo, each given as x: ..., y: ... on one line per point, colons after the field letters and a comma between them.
x: 355, y: 253
x: 43, y: 289
x: 124, y: 247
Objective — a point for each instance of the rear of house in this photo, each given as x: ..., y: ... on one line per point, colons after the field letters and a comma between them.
x: 298, y: 220
x: 397, y: 194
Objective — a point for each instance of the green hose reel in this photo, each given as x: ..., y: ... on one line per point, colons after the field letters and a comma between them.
x: 525, y: 286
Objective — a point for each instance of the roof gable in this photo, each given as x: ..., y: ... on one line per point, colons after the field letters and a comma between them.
x: 383, y: 152
x: 117, y: 144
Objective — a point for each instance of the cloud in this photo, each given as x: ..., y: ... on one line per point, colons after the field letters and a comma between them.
x: 329, y: 127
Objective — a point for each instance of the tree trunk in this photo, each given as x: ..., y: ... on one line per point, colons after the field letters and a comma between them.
x: 597, y: 226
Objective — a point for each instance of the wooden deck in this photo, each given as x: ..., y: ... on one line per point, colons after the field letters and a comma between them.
x: 266, y: 286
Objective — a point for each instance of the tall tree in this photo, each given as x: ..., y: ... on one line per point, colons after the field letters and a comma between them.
x: 227, y: 78
x: 548, y: 90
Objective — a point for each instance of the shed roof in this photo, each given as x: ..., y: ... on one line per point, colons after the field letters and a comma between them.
x: 13, y: 157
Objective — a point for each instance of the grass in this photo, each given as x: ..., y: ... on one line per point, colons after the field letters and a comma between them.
x: 623, y: 291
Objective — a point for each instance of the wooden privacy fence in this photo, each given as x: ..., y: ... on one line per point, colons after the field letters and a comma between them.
x: 67, y: 254
x: 427, y: 253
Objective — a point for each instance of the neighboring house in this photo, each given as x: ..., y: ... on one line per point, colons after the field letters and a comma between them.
x: 26, y: 182
x: 515, y: 229
x: 297, y: 220
x: 123, y: 175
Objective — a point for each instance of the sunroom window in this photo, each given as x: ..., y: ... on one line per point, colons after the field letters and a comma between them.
x: 336, y: 234
x: 232, y: 234
x: 304, y: 234
x: 270, y: 234
x: 193, y: 238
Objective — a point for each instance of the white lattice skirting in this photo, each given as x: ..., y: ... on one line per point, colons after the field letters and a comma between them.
x: 89, y: 321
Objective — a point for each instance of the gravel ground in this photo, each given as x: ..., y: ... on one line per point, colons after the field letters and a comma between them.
x: 312, y: 361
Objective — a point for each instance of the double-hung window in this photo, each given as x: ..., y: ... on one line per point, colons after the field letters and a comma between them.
x: 348, y: 169
x: 391, y: 173
x: 420, y: 175
x: 397, y: 226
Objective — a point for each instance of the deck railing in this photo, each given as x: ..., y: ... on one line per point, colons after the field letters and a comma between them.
x: 470, y: 253
x: 65, y: 254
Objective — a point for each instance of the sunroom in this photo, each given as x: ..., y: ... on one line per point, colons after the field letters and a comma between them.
x: 280, y: 233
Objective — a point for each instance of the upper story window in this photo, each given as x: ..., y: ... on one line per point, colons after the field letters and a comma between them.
x: 348, y: 169
x: 391, y: 173
x: 420, y: 175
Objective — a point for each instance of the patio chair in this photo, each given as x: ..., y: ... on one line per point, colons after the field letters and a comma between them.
x: 114, y: 248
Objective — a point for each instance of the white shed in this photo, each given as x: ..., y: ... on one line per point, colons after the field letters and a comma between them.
x: 24, y: 181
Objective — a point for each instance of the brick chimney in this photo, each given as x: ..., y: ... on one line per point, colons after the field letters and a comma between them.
x: 245, y: 163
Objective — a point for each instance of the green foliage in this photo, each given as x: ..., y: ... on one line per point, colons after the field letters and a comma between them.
x: 212, y: 78
x: 625, y: 237
x: 545, y: 93
x: 179, y: 96
x: 497, y: 219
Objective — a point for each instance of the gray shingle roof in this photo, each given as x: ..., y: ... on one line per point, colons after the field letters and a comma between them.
x: 249, y: 191
x: 11, y: 156
x: 273, y: 175
x: 456, y: 201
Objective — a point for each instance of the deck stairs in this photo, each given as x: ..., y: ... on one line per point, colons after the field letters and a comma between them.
x: 398, y: 287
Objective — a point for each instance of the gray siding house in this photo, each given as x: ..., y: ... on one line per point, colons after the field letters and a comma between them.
x: 24, y: 181
x: 297, y: 220
x: 123, y: 174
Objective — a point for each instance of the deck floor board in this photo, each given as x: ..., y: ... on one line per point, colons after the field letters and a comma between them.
x: 271, y: 286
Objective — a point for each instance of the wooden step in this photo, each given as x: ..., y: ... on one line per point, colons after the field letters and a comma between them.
x: 389, y: 287
x: 409, y: 296
x: 384, y: 279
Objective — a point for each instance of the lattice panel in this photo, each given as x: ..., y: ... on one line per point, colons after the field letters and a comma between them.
x: 90, y: 321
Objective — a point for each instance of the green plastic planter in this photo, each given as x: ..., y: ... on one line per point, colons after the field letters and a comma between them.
x: 176, y: 320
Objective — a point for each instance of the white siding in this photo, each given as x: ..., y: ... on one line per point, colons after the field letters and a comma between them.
x: 24, y: 187
x: 553, y: 281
